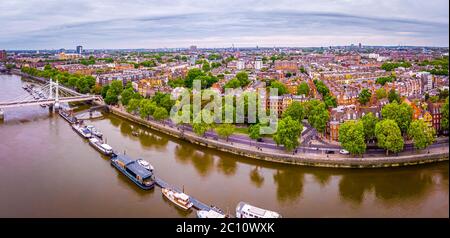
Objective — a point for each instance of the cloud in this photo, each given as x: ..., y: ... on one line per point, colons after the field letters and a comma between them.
x: 145, y: 24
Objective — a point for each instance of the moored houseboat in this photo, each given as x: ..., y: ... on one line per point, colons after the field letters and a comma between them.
x: 100, y: 146
x: 94, y: 131
x: 245, y: 210
x: 67, y: 116
x: 134, y: 171
x: 82, y: 130
x: 209, y: 214
x: 182, y: 200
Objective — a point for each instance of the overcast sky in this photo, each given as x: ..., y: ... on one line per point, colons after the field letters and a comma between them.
x: 54, y: 24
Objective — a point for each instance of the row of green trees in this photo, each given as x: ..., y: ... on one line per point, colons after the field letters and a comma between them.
x: 389, y: 66
x: 207, y: 79
x: 81, y: 83
x: 440, y: 66
x: 158, y: 106
x: 241, y: 80
x: 390, y: 132
x: 290, y: 125
x: 329, y: 100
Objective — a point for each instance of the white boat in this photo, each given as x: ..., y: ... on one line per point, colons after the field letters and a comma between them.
x: 209, y: 214
x: 94, y: 131
x: 83, y: 131
x: 100, y: 146
x: 145, y: 164
x: 245, y: 210
x: 182, y: 200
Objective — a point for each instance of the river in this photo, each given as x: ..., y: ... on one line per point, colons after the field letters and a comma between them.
x: 47, y: 170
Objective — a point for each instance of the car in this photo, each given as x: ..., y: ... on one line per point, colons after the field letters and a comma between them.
x: 329, y: 152
x: 344, y: 152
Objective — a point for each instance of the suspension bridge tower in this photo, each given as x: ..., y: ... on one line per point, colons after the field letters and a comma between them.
x: 50, y: 96
x: 57, y: 96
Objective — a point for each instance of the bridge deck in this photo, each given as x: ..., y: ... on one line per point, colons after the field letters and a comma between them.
x: 45, y: 101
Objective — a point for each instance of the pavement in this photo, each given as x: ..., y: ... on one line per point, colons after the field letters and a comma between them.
x: 315, y: 145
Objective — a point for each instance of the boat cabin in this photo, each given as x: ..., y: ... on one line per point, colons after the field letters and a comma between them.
x: 134, y: 169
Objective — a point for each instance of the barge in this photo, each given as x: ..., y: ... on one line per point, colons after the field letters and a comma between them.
x: 142, y: 177
x: 100, y: 146
x: 82, y: 131
x: 245, y: 210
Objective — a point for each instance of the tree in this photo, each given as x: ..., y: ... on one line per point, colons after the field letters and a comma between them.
x: 133, y: 105
x: 443, y: 94
x: 192, y: 74
x: 321, y: 88
x: 126, y: 96
x: 351, y: 137
x: 254, y: 131
x: 243, y: 78
x: 389, y: 136
x: 400, y: 113
x: 287, y: 134
x: 303, y: 89
x: 303, y: 70
x: 206, y: 66
x: 330, y: 101
x: 160, y: 113
x: 72, y: 82
x: 146, y: 108
x: 225, y: 130
x: 176, y: 83
x: 111, y: 97
x: 444, y: 111
x: 421, y: 133
x: 200, y: 128
x: 207, y: 81
x: 104, y: 90
x: 114, y: 90
x: 97, y: 89
x: 381, y: 93
x: 117, y: 86
x: 318, y: 115
x: 383, y: 80
x: 369, y: 122
x: 394, y: 96
x: 163, y: 100
x: 280, y: 86
x: 364, y: 96
x: 296, y: 111
x: 234, y: 83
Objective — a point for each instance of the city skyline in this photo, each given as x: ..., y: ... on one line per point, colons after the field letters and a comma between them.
x: 144, y: 24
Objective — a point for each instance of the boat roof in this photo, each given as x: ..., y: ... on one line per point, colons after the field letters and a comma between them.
x: 124, y: 159
x: 211, y: 214
x: 139, y: 170
x: 181, y: 196
x: 258, y: 211
x: 93, y: 139
x: 106, y: 146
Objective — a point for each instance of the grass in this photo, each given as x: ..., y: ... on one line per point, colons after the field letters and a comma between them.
x: 241, y: 130
x: 244, y: 130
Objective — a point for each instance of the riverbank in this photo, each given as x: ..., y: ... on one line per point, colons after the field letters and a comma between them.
x: 315, y: 160
x: 306, y: 159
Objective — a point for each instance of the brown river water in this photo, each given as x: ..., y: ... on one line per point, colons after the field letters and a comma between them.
x: 47, y: 170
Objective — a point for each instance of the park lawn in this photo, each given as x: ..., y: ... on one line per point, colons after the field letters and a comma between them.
x: 241, y: 130
x: 244, y: 130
